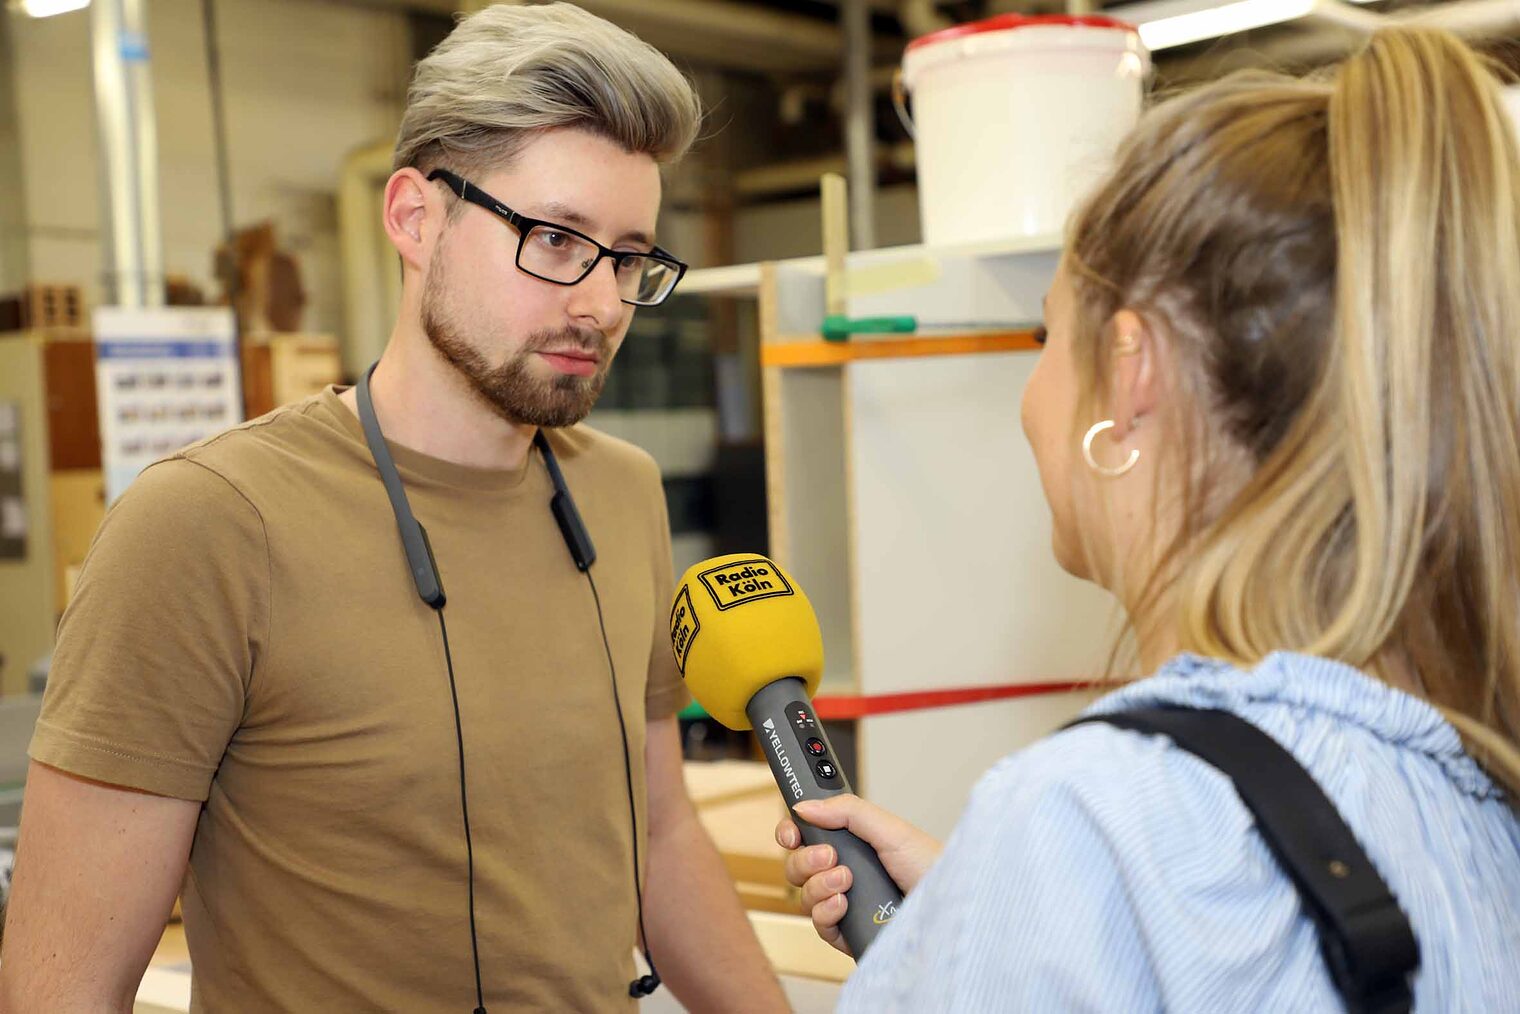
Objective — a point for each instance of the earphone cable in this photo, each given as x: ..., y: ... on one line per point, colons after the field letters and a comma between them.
x: 651, y: 982
x: 464, y: 807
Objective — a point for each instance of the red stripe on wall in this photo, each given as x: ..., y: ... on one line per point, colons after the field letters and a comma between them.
x: 837, y: 707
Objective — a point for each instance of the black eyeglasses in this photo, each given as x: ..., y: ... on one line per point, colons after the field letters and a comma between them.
x: 559, y: 254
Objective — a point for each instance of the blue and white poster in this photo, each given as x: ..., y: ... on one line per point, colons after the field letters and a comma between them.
x: 166, y: 377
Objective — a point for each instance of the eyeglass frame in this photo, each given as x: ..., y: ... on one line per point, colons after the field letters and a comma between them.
x: 467, y: 191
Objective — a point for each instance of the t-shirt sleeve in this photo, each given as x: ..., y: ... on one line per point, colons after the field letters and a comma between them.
x: 665, y: 693
x: 156, y: 651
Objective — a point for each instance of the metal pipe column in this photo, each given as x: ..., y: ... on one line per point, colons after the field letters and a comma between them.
x: 134, y: 262
x: 860, y: 127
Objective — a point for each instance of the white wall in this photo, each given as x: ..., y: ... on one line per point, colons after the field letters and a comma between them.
x: 794, y: 228
x: 304, y: 84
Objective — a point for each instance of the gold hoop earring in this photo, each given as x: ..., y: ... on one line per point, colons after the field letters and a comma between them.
x: 1104, y: 470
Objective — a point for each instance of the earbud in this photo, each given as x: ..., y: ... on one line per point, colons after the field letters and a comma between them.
x: 643, y: 986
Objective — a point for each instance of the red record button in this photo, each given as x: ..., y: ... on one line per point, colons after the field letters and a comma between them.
x: 815, y: 747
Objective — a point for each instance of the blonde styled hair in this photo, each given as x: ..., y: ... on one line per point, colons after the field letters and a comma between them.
x: 512, y: 70
x: 1336, y: 264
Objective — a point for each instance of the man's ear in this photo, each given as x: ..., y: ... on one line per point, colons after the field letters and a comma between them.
x: 411, y: 202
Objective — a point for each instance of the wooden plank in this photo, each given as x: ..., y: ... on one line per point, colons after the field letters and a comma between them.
x: 72, y: 413
x: 747, y: 827
x: 767, y: 872
x: 730, y: 280
x: 756, y: 898
x: 258, y: 379
x: 301, y: 365
x: 793, y: 947
x: 744, y: 279
x: 744, y: 832
x: 172, y: 946
x: 78, y: 498
x: 713, y: 783
x: 821, y: 353
x: 771, y: 418
x: 851, y: 549
x: 836, y: 242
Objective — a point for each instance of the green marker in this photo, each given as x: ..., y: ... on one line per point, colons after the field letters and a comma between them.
x: 837, y: 327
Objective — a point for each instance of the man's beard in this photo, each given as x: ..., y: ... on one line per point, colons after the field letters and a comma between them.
x: 511, y: 388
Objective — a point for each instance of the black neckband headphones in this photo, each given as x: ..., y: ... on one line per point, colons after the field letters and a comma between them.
x: 424, y: 568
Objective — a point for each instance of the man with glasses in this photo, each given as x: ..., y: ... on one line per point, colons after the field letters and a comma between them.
x: 249, y: 699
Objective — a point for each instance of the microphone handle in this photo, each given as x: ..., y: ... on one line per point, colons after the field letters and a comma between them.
x: 805, y: 766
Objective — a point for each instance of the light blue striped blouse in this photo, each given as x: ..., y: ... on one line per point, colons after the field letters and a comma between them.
x: 1106, y: 870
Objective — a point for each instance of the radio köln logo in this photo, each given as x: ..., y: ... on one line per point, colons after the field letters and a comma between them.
x: 744, y: 581
x: 683, y: 627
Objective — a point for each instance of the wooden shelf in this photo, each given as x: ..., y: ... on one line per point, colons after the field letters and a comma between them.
x: 730, y: 280
x: 744, y: 279
x: 805, y: 352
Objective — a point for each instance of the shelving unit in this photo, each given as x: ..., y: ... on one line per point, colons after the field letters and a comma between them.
x: 744, y: 279
x: 808, y: 351
x: 904, y: 498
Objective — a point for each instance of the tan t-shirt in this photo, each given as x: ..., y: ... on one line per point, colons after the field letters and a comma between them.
x: 246, y: 632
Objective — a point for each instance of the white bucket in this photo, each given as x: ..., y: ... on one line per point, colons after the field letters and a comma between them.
x: 1016, y: 118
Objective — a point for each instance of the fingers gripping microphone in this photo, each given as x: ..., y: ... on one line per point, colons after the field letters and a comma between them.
x: 747, y: 641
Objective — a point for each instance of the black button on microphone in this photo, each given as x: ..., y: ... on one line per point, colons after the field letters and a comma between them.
x: 815, y: 747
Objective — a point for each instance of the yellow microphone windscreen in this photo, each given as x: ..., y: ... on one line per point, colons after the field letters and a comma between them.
x: 739, y: 623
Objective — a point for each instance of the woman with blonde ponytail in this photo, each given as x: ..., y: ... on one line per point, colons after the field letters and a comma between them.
x: 1278, y: 417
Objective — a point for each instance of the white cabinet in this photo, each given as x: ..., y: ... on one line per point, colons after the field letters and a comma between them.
x: 905, y: 500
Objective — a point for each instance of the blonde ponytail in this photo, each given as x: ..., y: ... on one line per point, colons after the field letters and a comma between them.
x: 1337, y: 262
x: 1427, y: 197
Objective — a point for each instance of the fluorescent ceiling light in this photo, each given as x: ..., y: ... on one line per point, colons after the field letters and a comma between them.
x: 47, y: 8
x: 1167, y: 31
x: 1212, y: 22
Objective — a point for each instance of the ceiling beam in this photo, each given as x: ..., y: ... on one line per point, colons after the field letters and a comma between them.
x: 728, y: 34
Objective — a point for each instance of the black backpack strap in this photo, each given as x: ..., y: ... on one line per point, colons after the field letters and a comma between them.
x: 1365, y: 937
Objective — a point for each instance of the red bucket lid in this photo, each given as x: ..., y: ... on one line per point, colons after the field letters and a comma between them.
x: 1006, y: 22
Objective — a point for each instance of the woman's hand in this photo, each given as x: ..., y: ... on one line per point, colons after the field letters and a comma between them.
x: 905, y: 852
